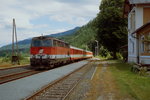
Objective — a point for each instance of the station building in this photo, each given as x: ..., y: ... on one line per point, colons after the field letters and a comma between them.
x: 138, y: 14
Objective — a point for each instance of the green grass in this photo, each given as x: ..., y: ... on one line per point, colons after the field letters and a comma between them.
x: 7, y: 60
x: 25, y: 60
x: 130, y: 83
x: 4, y: 60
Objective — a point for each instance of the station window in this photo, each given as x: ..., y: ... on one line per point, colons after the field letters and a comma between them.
x: 146, y: 43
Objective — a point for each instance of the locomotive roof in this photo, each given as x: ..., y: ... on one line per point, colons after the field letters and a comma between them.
x: 47, y: 37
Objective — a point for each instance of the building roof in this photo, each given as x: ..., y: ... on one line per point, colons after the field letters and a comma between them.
x: 143, y: 29
x: 129, y: 4
x: 139, y: 1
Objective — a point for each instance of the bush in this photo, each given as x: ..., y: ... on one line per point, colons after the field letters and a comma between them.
x: 104, y: 52
x: 119, y: 56
x: 6, y: 59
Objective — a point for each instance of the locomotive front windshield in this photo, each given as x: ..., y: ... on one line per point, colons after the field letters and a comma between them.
x: 41, y: 43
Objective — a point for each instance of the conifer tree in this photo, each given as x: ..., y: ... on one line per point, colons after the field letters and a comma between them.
x: 111, y: 25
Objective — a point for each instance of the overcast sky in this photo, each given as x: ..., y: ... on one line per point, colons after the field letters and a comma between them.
x: 36, y: 17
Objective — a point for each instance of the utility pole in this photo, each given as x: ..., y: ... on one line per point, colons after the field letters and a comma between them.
x: 96, y: 48
x: 95, y: 51
x: 15, y: 51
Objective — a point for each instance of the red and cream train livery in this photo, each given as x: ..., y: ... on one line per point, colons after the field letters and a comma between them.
x: 50, y: 52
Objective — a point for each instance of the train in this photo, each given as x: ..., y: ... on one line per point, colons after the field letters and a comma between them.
x: 48, y: 52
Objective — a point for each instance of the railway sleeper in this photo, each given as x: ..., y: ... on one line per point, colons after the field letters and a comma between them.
x: 45, y: 98
x: 55, y: 93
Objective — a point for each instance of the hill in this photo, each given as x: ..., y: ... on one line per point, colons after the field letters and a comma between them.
x: 25, y: 44
x: 69, y: 32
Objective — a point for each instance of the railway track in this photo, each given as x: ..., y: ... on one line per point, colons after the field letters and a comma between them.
x: 10, y: 70
x: 16, y: 75
x: 16, y: 67
x: 61, y: 88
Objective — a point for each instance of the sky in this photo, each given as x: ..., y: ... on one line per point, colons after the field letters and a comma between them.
x: 37, y: 17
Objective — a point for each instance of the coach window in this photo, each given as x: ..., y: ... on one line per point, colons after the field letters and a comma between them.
x: 65, y: 45
x: 55, y: 43
x: 62, y: 44
x: 59, y: 44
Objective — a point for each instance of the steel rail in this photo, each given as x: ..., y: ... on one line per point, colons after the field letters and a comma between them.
x: 55, y: 82
x: 15, y: 76
x: 14, y: 67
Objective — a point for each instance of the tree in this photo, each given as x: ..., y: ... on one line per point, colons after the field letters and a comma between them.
x: 111, y: 25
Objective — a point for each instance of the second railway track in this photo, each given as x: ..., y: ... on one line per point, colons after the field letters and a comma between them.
x: 61, y: 88
x: 17, y: 75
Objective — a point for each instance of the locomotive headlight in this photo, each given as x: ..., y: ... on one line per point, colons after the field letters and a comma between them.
x: 32, y: 56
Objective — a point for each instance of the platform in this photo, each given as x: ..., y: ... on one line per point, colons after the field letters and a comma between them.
x: 20, y: 89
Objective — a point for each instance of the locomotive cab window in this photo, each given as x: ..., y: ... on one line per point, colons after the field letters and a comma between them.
x: 39, y: 43
x: 47, y: 43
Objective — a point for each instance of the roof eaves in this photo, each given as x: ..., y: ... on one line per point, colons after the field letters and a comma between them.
x: 139, y: 1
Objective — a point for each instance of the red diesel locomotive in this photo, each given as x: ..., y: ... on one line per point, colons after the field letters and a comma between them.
x: 48, y: 52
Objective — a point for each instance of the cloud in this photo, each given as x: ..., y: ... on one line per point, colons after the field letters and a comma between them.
x: 29, y: 15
